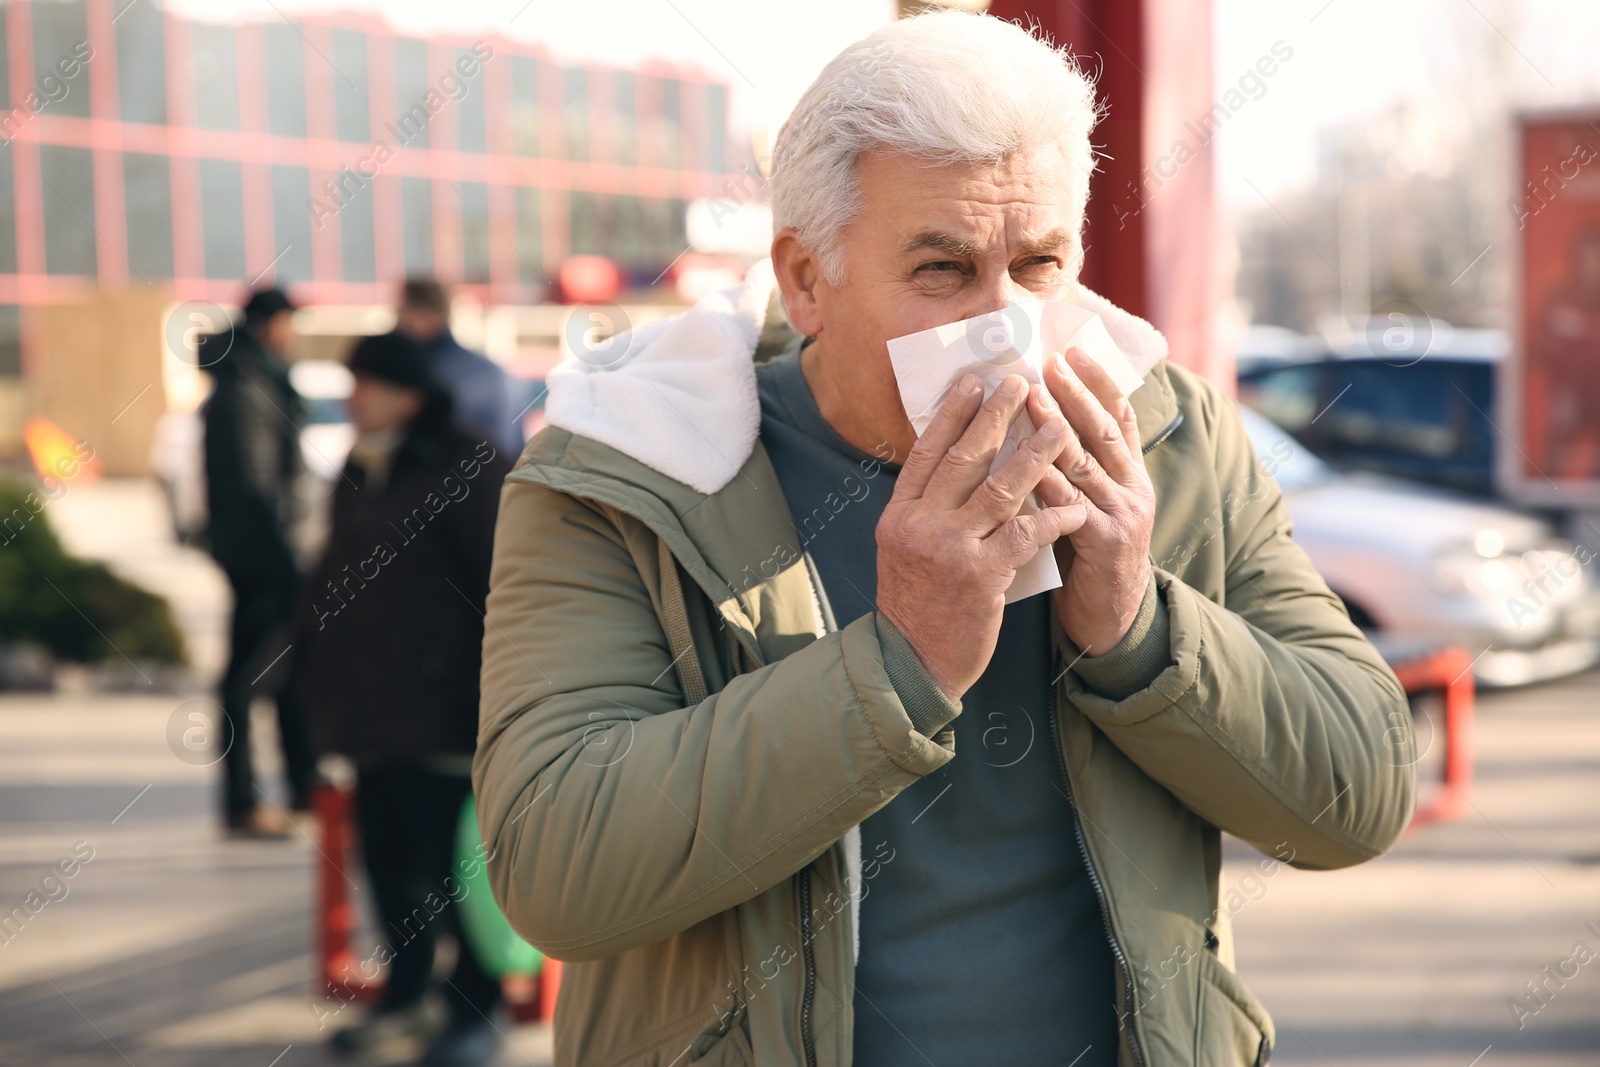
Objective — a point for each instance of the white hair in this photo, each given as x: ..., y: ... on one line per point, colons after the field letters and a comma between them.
x: 947, y: 87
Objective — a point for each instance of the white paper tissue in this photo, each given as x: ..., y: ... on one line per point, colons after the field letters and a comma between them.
x: 1014, y: 340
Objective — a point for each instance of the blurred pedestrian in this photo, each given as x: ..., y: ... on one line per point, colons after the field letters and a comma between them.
x: 480, y: 389
x: 392, y: 630
x: 252, y: 456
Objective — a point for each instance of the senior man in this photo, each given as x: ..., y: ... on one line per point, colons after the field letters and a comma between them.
x: 763, y: 750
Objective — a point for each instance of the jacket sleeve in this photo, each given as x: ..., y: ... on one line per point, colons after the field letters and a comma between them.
x: 615, y: 815
x: 1269, y: 715
x: 245, y: 528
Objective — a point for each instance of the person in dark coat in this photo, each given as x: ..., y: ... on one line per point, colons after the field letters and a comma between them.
x: 481, y: 390
x: 252, y: 457
x: 391, y: 629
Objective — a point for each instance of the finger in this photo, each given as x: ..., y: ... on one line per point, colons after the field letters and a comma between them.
x: 1001, y: 495
x: 966, y: 463
x: 1112, y: 398
x: 1081, y: 470
x: 1053, y: 488
x: 945, y: 429
x: 1018, y: 540
x: 1056, y: 491
x: 1104, y: 435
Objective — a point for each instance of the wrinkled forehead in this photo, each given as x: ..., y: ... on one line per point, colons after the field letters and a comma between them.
x: 1029, y: 202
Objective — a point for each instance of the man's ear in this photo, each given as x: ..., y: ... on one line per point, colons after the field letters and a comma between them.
x: 798, y: 273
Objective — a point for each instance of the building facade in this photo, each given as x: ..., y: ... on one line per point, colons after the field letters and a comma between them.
x: 329, y: 154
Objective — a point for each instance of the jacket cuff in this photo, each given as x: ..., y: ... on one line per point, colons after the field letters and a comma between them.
x: 1142, y: 654
x: 928, y: 708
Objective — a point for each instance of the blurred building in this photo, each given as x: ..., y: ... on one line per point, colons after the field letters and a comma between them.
x: 329, y: 154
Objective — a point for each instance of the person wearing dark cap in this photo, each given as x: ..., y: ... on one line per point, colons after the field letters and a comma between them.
x: 252, y: 459
x: 480, y: 389
x: 390, y: 631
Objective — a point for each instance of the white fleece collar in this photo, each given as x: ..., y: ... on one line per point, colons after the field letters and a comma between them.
x: 680, y: 397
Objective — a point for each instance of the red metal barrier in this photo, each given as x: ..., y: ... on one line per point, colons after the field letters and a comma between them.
x: 529, y: 998
x: 1448, y: 671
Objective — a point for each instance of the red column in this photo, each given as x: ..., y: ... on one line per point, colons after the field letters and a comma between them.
x: 1151, y: 230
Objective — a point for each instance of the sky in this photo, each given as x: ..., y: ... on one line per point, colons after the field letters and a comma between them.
x: 1352, y: 59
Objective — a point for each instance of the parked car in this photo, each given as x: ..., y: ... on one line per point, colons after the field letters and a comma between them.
x: 1417, y: 562
x: 1426, y: 416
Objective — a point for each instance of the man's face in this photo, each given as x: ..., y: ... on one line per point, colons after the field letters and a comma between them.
x: 418, y: 323
x: 278, y: 333
x: 937, y: 244
x: 376, y: 404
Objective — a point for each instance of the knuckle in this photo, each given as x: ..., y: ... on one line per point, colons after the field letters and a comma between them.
x: 996, y: 491
x: 965, y: 455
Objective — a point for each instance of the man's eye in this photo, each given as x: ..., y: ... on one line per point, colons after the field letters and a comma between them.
x: 941, y: 266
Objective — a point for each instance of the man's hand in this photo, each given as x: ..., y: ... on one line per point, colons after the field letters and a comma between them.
x: 950, y: 541
x: 1105, y: 559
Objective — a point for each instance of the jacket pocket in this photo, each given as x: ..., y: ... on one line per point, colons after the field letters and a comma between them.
x: 1231, y: 1028
x: 724, y: 1046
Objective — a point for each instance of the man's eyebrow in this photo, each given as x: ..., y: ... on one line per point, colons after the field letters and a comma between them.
x: 947, y: 242
x: 1049, y: 241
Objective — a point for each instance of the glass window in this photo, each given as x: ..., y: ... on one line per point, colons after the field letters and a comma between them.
x: 141, y: 63
x: 717, y: 128
x: 356, y: 239
x: 626, y: 111
x: 530, y: 231
x: 628, y: 238
x: 10, y: 340
x: 524, y: 106
x: 291, y: 224
x: 60, y: 48
x: 411, y: 82
x: 585, y: 225
x: 662, y: 223
x: 469, y: 108
x: 216, y: 87
x: 8, y: 217
x: 671, y: 123
x: 577, y: 113
x: 1473, y: 387
x: 68, y: 189
x: 222, y: 218
x: 147, y: 205
x: 5, y: 66
x: 416, y: 206
x: 1287, y: 395
x: 1375, y: 407
x: 474, y: 231
x: 286, y: 79
x: 349, y: 57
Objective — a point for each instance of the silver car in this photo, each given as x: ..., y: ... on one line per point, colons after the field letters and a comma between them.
x: 1420, y: 563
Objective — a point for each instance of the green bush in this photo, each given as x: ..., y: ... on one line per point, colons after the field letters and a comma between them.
x: 77, y: 609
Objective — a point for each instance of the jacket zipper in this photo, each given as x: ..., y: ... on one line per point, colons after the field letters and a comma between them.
x: 1099, y: 891
x: 1163, y: 435
x: 806, y: 1039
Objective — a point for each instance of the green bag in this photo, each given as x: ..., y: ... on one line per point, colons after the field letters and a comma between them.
x: 493, y: 941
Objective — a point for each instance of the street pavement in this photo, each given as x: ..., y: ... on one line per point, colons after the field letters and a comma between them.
x: 170, y: 947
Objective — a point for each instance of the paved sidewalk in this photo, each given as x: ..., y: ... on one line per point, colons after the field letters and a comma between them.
x: 170, y: 946
x: 1415, y: 958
